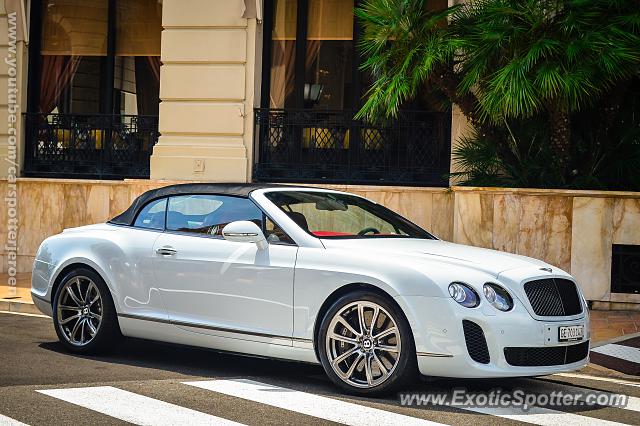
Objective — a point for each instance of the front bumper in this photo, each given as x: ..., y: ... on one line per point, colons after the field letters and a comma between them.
x: 436, y: 323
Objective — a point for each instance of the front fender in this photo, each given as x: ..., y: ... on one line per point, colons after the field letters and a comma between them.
x: 320, y: 272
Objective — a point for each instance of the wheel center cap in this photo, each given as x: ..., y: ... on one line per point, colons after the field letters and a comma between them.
x: 367, y: 344
x: 85, y: 311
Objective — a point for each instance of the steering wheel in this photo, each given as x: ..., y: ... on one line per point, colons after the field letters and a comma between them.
x: 367, y: 230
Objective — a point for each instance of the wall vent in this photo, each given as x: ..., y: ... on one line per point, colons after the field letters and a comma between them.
x: 625, y: 269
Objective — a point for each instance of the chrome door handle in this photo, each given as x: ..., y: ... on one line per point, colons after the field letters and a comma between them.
x: 166, y: 251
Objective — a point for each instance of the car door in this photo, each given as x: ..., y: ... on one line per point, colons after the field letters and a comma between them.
x: 218, y: 287
x: 135, y: 263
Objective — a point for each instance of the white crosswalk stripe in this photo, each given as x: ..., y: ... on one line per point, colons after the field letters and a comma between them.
x: 8, y: 421
x: 306, y: 403
x: 633, y: 403
x: 134, y: 408
x: 619, y: 351
x: 597, y: 379
x: 541, y: 416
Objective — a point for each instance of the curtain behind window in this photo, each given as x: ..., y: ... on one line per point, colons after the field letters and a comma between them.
x: 137, y: 76
x: 73, y: 33
x: 283, y: 52
x: 330, y: 54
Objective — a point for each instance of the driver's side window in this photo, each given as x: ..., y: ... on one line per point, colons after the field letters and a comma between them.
x: 208, y: 214
x: 275, y: 234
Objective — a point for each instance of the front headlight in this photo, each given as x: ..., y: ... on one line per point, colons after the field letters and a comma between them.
x: 498, y: 297
x: 464, y: 295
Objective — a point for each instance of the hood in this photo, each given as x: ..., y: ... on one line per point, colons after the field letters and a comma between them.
x: 490, y: 261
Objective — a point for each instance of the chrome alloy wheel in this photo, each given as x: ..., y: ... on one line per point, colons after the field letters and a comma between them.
x: 363, y: 344
x: 79, y: 310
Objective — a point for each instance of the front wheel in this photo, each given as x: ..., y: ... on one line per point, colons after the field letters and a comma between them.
x: 366, y: 346
x: 83, y: 313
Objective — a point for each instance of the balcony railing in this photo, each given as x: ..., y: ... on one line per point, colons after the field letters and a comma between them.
x: 89, y: 146
x: 330, y: 146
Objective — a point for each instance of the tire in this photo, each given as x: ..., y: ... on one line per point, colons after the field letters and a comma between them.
x: 345, y: 352
x: 84, y: 316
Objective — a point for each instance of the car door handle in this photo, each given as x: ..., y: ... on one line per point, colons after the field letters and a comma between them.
x: 166, y: 251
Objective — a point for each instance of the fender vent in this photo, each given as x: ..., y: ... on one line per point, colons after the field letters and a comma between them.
x: 476, y: 343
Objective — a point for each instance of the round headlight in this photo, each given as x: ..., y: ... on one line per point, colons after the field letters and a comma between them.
x: 498, y: 297
x: 464, y: 295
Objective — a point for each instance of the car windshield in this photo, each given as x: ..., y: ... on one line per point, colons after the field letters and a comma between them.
x: 333, y: 215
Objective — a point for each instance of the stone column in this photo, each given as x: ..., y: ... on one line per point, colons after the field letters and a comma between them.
x: 13, y: 87
x: 206, y: 92
x: 460, y: 127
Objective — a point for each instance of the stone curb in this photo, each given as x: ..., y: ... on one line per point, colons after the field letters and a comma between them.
x: 20, y: 306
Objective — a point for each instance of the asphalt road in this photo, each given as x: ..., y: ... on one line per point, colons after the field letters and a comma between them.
x: 152, y: 383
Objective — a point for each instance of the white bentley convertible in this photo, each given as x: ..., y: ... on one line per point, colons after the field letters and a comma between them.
x: 308, y: 275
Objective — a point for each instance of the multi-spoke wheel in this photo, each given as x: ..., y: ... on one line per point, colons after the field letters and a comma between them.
x: 365, y: 344
x: 84, y: 316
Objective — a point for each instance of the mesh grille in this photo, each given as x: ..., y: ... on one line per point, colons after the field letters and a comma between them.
x: 545, y: 356
x: 577, y: 353
x: 476, y: 343
x: 553, y: 297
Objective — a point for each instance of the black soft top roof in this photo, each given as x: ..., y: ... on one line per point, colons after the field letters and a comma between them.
x: 234, y: 189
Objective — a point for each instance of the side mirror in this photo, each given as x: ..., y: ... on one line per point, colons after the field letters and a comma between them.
x: 244, y: 231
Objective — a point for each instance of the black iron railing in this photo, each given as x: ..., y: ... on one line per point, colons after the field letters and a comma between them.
x: 330, y: 146
x: 89, y: 146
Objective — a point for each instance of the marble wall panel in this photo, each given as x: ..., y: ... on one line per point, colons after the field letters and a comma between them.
x: 557, y: 232
x: 531, y: 235
x: 626, y: 221
x: 591, y: 240
x: 473, y: 219
x: 442, y: 215
x: 98, y: 198
x: 3, y: 217
x: 32, y: 227
x: 507, y: 213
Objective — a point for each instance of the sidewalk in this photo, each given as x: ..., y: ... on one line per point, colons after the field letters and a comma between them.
x: 610, y: 325
x: 17, y: 299
x: 605, y: 325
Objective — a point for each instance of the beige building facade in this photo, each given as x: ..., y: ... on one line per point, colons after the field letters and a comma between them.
x: 207, y: 92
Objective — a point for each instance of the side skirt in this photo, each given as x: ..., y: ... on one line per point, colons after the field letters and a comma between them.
x: 256, y: 344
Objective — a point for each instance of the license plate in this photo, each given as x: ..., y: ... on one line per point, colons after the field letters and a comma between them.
x: 570, y: 333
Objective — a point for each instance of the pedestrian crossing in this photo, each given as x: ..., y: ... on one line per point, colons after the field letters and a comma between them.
x: 626, y: 353
x: 138, y: 408
x: 306, y: 403
x: 541, y: 416
x: 134, y: 408
x: 598, y: 379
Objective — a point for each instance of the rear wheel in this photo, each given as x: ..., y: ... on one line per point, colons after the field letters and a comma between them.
x: 83, y: 313
x: 366, y: 346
